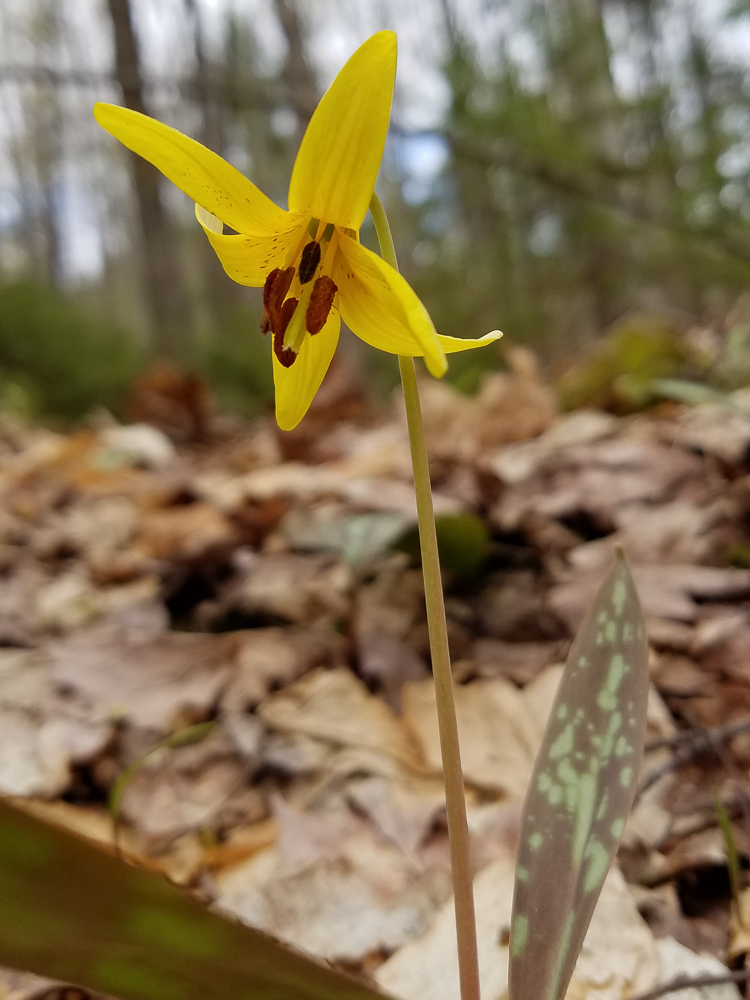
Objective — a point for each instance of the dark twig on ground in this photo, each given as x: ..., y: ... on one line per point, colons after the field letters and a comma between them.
x: 693, y: 983
x: 689, y: 746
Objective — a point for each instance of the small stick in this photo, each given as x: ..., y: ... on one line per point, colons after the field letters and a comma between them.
x: 684, y: 982
x: 698, y: 743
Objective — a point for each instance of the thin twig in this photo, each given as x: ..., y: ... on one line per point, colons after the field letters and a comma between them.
x: 693, y: 745
x: 684, y: 982
x: 713, y: 734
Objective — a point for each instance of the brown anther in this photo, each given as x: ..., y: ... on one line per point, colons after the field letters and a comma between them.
x: 268, y: 286
x: 277, y: 285
x: 321, y: 300
x: 287, y: 311
x: 285, y: 355
x: 308, y: 262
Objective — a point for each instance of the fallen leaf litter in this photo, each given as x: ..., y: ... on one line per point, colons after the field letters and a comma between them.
x: 266, y: 582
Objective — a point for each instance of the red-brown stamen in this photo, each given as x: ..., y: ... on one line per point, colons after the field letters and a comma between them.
x: 277, y: 285
x: 286, y: 355
x: 321, y: 300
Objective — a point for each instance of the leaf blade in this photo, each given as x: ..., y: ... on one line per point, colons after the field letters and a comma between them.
x: 580, y: 791
x: 70, y: 911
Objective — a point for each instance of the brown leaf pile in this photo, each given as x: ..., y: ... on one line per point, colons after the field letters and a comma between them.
x: 258, y: 580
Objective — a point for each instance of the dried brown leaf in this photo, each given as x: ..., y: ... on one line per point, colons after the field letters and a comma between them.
x: 335, y: 706
x: 498, y: 735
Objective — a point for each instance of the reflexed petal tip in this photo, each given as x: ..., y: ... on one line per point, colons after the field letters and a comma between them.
x: 339, y: 158
x: 453, y: 344
x: 381, y: 308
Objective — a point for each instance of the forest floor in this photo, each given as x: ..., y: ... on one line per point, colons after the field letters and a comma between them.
x: 197, y: 571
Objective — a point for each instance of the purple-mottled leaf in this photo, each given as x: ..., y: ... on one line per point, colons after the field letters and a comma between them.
x: 70, y: 911
x: 580, y: 792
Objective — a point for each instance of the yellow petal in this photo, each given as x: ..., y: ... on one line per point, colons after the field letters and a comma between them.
x: 249, y: 259
x: 380, y: 306
x: 296, y: 386
x: 453, y: 344
x: 202, y: 174
x: 339, y: 158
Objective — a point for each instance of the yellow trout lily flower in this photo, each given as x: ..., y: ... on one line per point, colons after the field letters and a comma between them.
x: 308, y: 260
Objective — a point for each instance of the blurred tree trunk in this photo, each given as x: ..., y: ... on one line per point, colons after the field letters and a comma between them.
x: 582, y: 92
x: 299, y: 73
x: 585, y: 74
x: 162, y: 274
x: 42, y: 146
x: 221, y: 290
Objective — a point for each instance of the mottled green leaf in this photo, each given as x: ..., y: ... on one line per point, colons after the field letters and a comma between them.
x: 70, y: 911
x: 580, y: 792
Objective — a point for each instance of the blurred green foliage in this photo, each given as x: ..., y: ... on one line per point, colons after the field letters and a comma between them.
x: 61, y: 358
x: 565, y: 202
x: 57, y: 358
x: 617, y: 373
x: 236, y: 361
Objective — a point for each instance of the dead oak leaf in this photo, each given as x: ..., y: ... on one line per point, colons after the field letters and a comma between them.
x: 42, y: 734
x: 188, y: 788
x: 499, y: 737
x: 299, y: 588
x: 269, y: 659
x: 335, y: 706
x: 184, y: 533
x: 147, y: 678
x: 333, y: 886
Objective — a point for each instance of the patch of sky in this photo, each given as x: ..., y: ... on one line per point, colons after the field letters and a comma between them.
x: 735, y: 162
x: 421, y: 158
x: 284, y: 122
x: 10, y: 208
x: 82, y: 253
x: 546, y: 234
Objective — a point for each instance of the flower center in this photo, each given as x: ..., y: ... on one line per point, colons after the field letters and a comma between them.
x: 297, y: 299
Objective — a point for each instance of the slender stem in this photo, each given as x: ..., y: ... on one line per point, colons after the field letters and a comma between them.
x: 455, y: 801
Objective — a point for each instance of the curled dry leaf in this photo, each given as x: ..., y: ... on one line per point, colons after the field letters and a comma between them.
x: 509, y: 406
x: 268, y: 659
x: 333, y: 887
x: 335, y: 706
x: 188, y: 532
x: 298, y: 588
x: 147, y: 678
x: 190, y: 788
x: 498, y: 735
x: 42, y: 734
x: 618, y: 959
